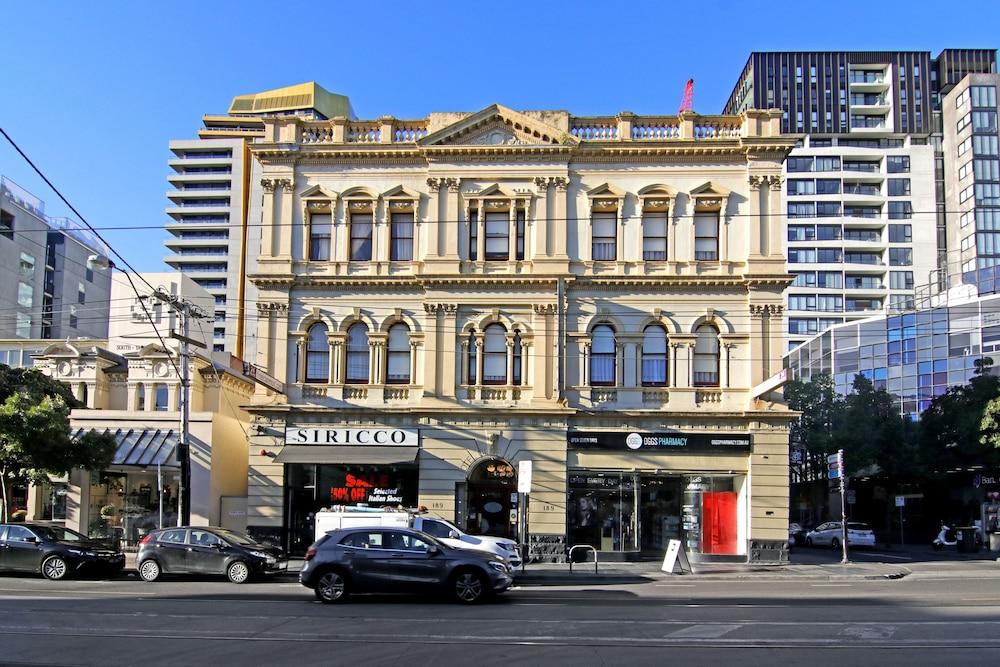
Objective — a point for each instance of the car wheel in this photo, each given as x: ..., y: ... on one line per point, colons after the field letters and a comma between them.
x: 149, y: 570
x: 809, y: 541
x: 238, y: 572
x: 469, y: 586
x: 835, y: 543
x: 331, y: 588
x: 55, y: 568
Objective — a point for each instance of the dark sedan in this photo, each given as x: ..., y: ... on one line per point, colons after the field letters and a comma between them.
x: 399, y: 560
x: 55, y: 551
x: 206, y: 550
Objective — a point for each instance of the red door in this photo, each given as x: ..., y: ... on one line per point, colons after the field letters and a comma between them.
x: 718, y: 528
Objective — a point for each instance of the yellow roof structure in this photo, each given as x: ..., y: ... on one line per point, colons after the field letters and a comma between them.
x: 309, y: 95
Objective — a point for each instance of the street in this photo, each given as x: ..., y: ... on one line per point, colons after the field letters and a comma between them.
x: 921, y: 619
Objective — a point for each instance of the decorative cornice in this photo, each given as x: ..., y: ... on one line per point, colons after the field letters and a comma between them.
x: 545, y: 308
x: 272, y: 307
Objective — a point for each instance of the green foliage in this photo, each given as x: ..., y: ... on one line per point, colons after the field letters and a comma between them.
x: 961, y: 427
x: 35, y: 434
x: 818, y: 402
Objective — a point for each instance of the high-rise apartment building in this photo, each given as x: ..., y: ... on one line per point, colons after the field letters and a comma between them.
x: 864, y: 193
x: 212, y: 187
x: 52, y: 284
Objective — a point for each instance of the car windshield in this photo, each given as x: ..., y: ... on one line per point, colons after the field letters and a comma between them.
x: 233, y: 537
x: 58, y: 534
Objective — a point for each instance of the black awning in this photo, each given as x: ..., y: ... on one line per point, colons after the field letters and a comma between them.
x: 386, y: 455
x: 143, y: 447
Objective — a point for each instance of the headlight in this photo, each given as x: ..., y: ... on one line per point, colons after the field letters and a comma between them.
x: 81, y: 552
x: 509, y: 546
x: 259, y: 554
x: 500, y: 567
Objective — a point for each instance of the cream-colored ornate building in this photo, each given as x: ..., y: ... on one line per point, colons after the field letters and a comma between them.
x: 449, y: 297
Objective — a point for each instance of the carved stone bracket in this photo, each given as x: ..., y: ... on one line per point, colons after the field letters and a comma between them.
x: 268, y: 184
x: 434, y: 184
x: 769, y: 309
x: 545, y: 308
x: 272, y: 307
x: 757, y: 182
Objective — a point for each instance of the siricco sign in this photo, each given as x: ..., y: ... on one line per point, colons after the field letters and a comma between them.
x: 351, y: 436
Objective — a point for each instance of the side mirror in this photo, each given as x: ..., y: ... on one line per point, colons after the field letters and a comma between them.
x: 433, y: 550
x: 31, y: 540
x: 220, y: 546
x: 453, y: 534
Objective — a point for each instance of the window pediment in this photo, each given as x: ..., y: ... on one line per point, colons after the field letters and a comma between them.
x: 605, y: 197
x: 709, y: 197
x: 497, y: 125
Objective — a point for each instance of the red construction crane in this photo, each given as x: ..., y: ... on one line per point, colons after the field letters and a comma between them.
x: 687, y: 102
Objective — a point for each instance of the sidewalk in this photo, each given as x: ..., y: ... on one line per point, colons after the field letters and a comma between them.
x: 558, y: 574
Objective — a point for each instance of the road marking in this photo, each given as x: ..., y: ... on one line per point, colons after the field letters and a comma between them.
x: 830, y: 585
x: 868, y: 631
x: 704, y: 631
x: 675, y: 585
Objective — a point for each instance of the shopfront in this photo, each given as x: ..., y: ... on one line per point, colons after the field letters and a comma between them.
x: 326, y: 467
x: 638, y: 491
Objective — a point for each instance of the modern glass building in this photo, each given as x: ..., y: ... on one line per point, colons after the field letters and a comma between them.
x: 915, y: 355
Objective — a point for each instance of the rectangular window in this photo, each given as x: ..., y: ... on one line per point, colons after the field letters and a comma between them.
x: 72, y: 317
x: 830, y: 303
x: 900, y: 234
x: 320, y: 234
x: 898, y: 164
x: 604, y: 237
x: 801, y: 210
x: 965, y: 147
x: 804, y: 279
x: 969, y: 241
x: 986, y: 170
x: 801, y: 326
x: 900, y: 210
x: 90, y: 273
x: 987, y: 220
x: 830, y: 279
x: 519, y: 222
x: 800, y: 186
x: 966, y: 194
x: 855, y: 281
x: 497, y: 236
x: 802, y: 302
x: 799, y: 164
x: 827, y: 209
x: 81, y: 294
x: 161, y: 398
x: 901, y: 280
x: 828, y: 232
x: 899, y: 187
x: 988, y: 194
x: 706, y: 236
x: 828, y: 255
x: 984, y: 121
x: 965, y: 170
x: 25, y: 295
x: 361, y: 237
x: 473, y: 235
x: 828, y: 163
x: 654, y: 237
x: 984, y: 145
x: 983, y: 97
x: 801, y: 232
x: 6, y: 225
x: 801, y: 255
x: 962, y: 123
x: 27, y: 266
x: 827, y: 186
x: 23, y: 325
x: 401, y: 237
x: 900, y: 257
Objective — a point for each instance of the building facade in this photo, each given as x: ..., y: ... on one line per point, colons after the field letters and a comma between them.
x: 130, y: 386
x: 213, y: 183
x: 865, y: 196
x: 52, y: 285
x: 450, y: 298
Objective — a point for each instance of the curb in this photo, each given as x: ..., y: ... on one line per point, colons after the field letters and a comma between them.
x: 569, y: 580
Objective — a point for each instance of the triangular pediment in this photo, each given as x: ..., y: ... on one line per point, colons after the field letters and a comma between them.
x: 495, y: 190
x: 709, y: 189
x: 606, y: 190
x: 401, y: 192
x: 497, y: 125
x: 318, y: 192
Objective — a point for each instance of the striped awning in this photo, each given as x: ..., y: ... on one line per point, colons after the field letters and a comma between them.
x: 143, y: 446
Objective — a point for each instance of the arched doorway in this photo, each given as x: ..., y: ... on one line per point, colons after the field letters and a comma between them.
x: 491, y: 485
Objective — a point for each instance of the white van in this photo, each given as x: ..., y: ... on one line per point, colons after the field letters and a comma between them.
x: 447, y: 532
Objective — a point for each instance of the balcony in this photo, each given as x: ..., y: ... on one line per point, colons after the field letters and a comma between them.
x: 868, y: 81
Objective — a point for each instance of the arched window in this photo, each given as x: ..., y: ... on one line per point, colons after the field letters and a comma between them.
x: 518, y: 358
x: 472, y: 358
x: 357, y: 354
x: 495, y: 354
x: 706, y: 356
x: 397, y: 362
x: 317, y: 354
x: 602, y: 356
x: 654, y: 356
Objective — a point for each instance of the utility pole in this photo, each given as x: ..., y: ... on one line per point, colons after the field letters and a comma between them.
x: 185, y: 311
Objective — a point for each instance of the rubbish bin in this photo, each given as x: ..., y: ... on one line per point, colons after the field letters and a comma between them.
x: 967, y: 540
x: 994, y: 541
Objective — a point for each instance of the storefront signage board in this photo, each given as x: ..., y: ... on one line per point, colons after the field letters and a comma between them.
x: 660, y: 442
x: 675, y: 555
x: 388, y: 437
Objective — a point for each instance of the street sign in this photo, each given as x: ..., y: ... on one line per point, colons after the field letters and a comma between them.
x: 524, y: 477
x: 900, y: 501
x: 835, y: 466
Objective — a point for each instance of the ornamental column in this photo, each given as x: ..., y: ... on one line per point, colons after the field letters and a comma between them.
x: 542, y: 226
x: 285, y: 225
x: 448, y: 334
x: 757, y: 194
x: 267, y: 218
x: 559, y: 217
x: 449, y: 239
x: 774, y: 219
x: 433, y: 221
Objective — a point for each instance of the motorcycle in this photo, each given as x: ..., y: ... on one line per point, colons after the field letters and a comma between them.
x: 942, y: 541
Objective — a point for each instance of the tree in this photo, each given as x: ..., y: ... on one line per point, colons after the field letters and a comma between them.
x: 818, y: 402
x: 35, y: 434
x: 960, y: 428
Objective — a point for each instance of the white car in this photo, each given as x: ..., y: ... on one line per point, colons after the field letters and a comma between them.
x: 448, y: 533
x: 829, y: 534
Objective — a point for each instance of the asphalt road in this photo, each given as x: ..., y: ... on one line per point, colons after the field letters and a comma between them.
x: 914, y: 621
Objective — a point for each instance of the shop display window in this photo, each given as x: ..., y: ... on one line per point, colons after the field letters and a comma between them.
x: 125, y: 506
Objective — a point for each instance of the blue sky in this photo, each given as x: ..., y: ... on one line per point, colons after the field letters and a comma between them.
x: 94, y: 91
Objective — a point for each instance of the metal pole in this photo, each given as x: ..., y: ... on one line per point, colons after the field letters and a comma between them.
x: 843, y: 510
x: 184, y: 448
x: 159, y: 493
x: 901, y: 542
